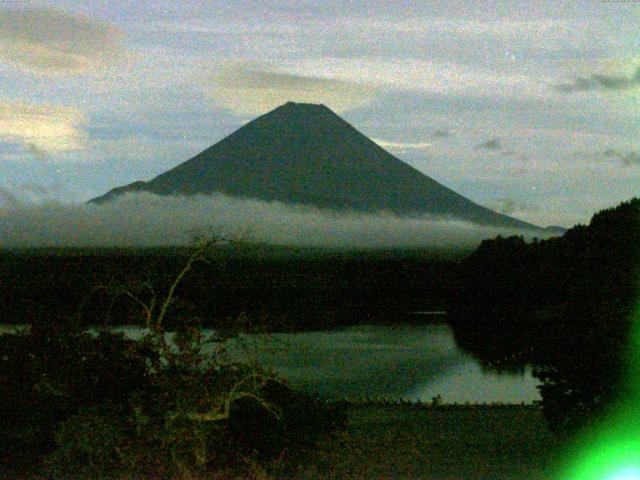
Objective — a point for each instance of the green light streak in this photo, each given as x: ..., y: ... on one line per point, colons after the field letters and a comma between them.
x: 611, y: 450
x: 614, y: 453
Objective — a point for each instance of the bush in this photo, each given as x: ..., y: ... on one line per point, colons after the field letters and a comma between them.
x: 106, y: 406
x: 91, y: 442
x: 303, y: 421
x: 49, y: 374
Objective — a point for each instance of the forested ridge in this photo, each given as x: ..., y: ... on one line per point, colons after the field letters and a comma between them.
x: 278, y: 288
x: 562, y: 305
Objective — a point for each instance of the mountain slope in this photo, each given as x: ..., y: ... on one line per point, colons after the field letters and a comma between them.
x: 306, y: 154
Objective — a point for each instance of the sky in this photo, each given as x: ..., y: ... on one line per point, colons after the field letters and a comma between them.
x: 531, y: 108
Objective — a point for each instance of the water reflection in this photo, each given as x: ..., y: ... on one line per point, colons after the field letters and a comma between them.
x: 416, y: 362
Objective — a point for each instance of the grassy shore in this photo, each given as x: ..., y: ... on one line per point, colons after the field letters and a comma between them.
x: 413, y: 442
x: 446, y: 442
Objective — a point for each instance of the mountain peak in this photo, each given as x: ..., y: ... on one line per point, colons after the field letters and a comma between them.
x: 304, y: 153
x: 291, y: 104
x: 304, y: 106
x: 296, y: 108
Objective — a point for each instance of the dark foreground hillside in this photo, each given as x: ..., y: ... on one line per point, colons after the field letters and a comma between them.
x: 421, y: 442
x: 448, y: 442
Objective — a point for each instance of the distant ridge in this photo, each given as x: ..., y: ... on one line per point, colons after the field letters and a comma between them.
x: 304, y: 153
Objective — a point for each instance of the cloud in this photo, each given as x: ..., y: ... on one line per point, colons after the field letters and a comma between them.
x: 442, y: 133
x: 402, y: 145
x: 510, y: 206
x: 601, y: 82
x: 629, y: 159
x: 434, y: 76
x: 249, y: 92
x: 145, y: 219
x: 35, y: 189
x: 37, y: 152
x: 8, y: 202
x: 43, y: 128
x: 52, y: 42
x: 505, y: 28
x: 492, y: 144
x: 31, y: 191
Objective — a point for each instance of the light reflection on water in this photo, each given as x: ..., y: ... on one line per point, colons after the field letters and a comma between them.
x: 414, y: 362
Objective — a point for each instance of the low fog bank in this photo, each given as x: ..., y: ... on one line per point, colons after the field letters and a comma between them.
x: 145, y: 219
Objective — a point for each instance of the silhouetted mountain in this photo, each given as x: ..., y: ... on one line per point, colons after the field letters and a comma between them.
x: 306, y: 154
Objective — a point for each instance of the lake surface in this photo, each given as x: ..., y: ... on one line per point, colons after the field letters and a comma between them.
x: 415, y: 362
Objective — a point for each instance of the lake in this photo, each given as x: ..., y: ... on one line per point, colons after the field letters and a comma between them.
x: 414, y: 362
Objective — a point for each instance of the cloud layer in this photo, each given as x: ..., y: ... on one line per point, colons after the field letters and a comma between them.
x: 250, y: 91
x: 629, y: 159
x: 145, y: 219
x: 41, y: 128
x: 402, y: 145
x: 442, y: 133
x: 492, y: 144
x: 53, y: 42
x: 614, y: 83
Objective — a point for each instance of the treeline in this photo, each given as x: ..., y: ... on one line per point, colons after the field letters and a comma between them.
x: 277, y: 288
x: 563, y: 305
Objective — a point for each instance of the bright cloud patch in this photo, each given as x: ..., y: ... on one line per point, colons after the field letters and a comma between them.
x: 51, y: 42
x: 250, y: 92
x: 43, y: 128
x: 402, y: 145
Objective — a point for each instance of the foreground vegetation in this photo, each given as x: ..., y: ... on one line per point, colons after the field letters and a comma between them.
x: 77, y: 405
x: 437, y: 443
x: 401, y: 441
